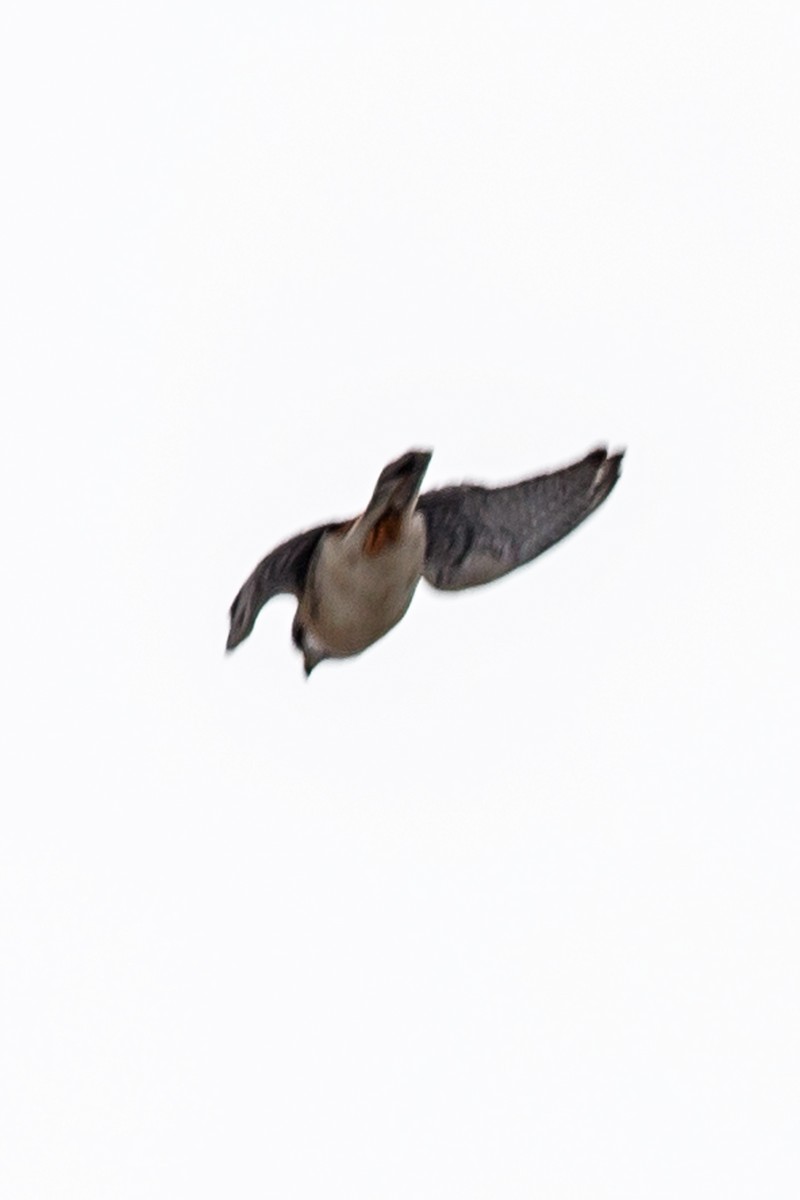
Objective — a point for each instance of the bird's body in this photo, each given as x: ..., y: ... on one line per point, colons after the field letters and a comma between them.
x: 354, y: 580
x: 355, y: 595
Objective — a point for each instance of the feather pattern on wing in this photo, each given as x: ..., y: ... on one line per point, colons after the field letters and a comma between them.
x: 283, y: 570
x: 477, y: 534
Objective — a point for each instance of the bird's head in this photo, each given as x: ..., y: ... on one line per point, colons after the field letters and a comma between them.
x: 398, y: 484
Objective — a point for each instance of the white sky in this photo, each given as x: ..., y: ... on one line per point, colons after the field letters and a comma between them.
x: 508, y: 907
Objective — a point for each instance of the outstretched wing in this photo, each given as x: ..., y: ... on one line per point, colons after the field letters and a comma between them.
x: 476, y: 534
x: 284, y: 570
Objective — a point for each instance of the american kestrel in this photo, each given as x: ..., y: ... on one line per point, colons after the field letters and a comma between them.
x: 354, y: 580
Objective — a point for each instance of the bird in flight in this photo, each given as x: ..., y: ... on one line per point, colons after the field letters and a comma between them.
x: 354, y: 580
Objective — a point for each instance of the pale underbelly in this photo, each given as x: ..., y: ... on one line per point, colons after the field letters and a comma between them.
x: 358, y: 598
x: 352, y: 619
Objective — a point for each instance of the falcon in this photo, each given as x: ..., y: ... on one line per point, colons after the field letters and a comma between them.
x: 354, y: 580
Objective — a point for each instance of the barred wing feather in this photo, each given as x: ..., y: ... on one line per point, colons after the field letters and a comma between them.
x: 477, y: 534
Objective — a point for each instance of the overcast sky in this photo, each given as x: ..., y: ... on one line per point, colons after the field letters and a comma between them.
x: 508, y: 907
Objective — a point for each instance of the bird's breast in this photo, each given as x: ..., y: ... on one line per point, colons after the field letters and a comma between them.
x: 362, y: 586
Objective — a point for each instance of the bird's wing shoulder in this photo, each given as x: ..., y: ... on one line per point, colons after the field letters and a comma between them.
x: 283, y: 570
x: 476, y: 534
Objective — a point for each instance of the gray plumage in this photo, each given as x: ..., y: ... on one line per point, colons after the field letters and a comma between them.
x: 355, y: 579
x: 476, y: 534
x: 284, y: 570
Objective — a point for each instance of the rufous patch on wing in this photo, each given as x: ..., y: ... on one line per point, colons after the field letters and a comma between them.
x: 385, y: 531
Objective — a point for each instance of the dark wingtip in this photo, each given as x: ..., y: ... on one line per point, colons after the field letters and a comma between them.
x: 608, y: 472
x: 613, y: 465
x: 597, y: 456
x: 239, y: 626
x: 601, y: 454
